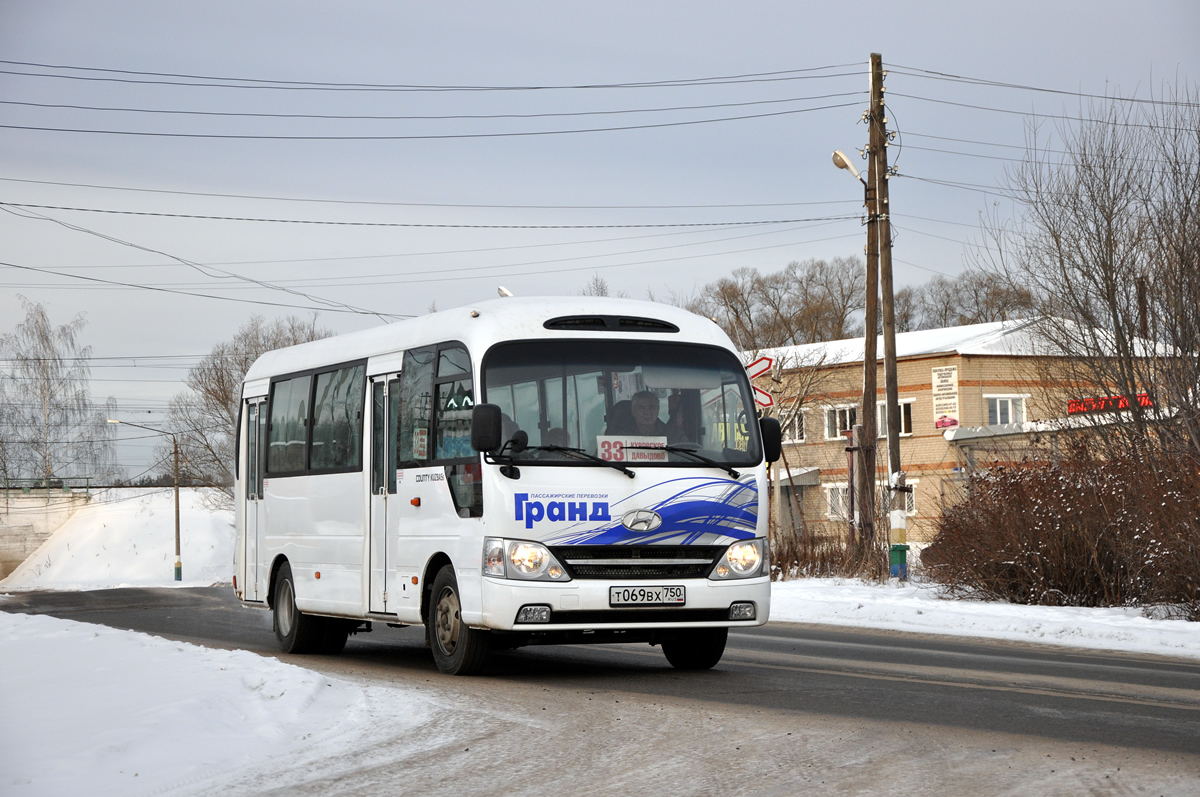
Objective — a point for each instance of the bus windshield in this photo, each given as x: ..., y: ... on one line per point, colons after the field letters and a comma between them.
x: 627, y: 402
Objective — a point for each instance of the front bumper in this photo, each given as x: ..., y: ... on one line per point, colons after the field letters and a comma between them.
x: 582, y: 605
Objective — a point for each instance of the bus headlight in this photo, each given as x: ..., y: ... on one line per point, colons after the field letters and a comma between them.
x: 521, y: 559
x: 529, y: 559
x: 741, y: 560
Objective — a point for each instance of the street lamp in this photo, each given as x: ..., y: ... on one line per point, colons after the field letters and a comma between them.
x: 864, y: 445
x: 842, y: 162
x: 175, y: 445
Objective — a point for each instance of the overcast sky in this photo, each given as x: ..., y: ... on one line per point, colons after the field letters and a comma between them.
x: 698, y: 113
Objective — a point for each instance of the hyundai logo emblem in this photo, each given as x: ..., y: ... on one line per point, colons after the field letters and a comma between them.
x: 641, y: 520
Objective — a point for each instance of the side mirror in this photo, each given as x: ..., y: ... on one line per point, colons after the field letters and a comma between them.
x: 486, y: 427
x: 772, y: 437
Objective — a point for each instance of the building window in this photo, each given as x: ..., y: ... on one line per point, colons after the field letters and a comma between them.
x: 793, y: 430
x: 839, y: 420
x: 905, y: 418
x: 837, y: 501
x: 1005, y: 409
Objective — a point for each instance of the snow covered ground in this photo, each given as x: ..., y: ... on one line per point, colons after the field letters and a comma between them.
x: 126, y: 538
x: 101, y: 711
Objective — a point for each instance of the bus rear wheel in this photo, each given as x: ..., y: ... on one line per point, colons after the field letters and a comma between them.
x: 696, y: 649
x: 457, y: 648
x: 296, y: 631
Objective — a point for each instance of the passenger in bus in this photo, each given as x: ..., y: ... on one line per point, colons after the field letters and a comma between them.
x: 644, y: 408
x: 556, y: 437
x: 681, y: 417
x: 620, y: 419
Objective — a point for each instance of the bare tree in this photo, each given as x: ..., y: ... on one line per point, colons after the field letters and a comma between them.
x: 973, y: 297
x: 49, y: 426
x: 1107, y: 243
x: 598, y: 286
x: 907, y: 302
x: 803, y: 303
x: 204, y: 418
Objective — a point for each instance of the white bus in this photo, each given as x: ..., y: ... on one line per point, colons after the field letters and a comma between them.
x: 520, y: 471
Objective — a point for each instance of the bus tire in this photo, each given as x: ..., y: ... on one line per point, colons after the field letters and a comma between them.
x: 333, y: 638
x: 696, y: 649
x: 297, y: 632
x: 457, y: 648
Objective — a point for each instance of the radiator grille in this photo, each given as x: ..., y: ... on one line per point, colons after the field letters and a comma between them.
x: 637, y: 561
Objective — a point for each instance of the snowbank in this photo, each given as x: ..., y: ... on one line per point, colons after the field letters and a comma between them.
x: 921, y: 609
x: 126, y: 538
x: 91, y: 710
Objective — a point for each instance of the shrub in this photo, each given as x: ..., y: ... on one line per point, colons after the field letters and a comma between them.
x: 1076, y: 531
x: 814, y: 556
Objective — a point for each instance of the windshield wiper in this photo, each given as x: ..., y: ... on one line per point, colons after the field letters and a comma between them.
x: 579, y: 453
x: 681, y: 450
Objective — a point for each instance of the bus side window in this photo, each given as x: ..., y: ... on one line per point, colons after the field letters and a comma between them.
x: 416, y: 409
x: 288, y: 428
x: 378, y: 444
x: 393, y: 389
x: 337, y: 419
x: 251, y: 451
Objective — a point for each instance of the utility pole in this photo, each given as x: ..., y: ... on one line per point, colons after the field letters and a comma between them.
x: 178, y: 563
x: 175, y: 447
x: 865, y: 444
x: 877, y: 178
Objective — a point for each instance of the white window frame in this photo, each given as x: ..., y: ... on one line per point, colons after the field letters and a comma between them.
x: 840, y: 408
x: 827, y: 492
x: 1018, y: 398
x: 881, y: 417
x: 790, y: 428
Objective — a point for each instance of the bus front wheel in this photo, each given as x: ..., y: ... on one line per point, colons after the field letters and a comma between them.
x: 696, y: 649
x: 457, y: 648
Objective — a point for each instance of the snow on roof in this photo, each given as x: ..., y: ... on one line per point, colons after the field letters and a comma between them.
x: 1035, y: 337
x: 1018, y: 338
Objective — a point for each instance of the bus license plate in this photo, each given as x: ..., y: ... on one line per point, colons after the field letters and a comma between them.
x: 645, y: 596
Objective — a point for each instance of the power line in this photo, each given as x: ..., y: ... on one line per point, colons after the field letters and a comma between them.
x: 477, y: 271
x: 424, y: 225
x: 599, y: 267
x: 983, y: 189
x: 923, y: 268
x: 262, y: 302
x: 427, y: 137
x: 933, y: 235
x: 425, y: 204
x: 929, y: 74
x: 390, y: 277
x: 427, y: 118
x: 1036, y: 115
x: 112, y: 357
x: 330, y: 304
x: 261, y: 83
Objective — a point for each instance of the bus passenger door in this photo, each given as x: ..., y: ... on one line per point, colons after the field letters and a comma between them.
x: 383, y: 492
x: 255, y: 425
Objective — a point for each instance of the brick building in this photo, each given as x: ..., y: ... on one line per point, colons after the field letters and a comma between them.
x: 968, y: 395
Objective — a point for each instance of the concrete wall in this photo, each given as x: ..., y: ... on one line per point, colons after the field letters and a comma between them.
x: 28, y: 519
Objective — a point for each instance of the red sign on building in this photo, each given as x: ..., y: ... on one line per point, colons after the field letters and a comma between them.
x: 1106, y: 404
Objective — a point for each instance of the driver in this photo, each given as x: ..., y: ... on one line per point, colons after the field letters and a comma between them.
x: 645, y: 406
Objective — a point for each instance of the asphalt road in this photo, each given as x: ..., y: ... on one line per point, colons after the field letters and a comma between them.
x: 796, y: 706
